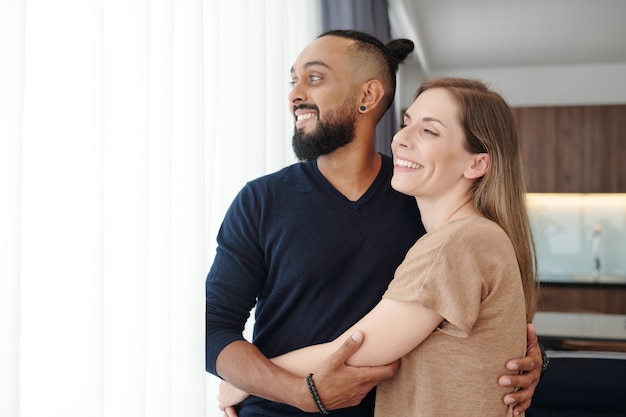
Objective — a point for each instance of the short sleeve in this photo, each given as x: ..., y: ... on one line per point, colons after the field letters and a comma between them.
x: 447, y: 273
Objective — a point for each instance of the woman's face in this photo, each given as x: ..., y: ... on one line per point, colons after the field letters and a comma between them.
x: 429, y: 151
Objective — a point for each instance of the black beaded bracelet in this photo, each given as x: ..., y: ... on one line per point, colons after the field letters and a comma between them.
x: 544, y: 362
x: 315, y: 395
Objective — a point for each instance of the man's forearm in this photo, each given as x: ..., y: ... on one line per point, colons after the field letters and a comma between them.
x: 244, y: 366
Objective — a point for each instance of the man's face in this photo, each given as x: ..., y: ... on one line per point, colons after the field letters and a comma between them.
x: 335, y: 131
x: 323, y: 99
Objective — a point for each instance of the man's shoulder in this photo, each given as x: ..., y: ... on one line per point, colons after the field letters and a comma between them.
x: 294, y: 175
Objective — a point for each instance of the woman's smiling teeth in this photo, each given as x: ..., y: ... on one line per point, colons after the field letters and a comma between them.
x: 408, y: 164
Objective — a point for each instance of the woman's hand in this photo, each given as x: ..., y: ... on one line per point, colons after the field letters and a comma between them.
x: 229, y: 396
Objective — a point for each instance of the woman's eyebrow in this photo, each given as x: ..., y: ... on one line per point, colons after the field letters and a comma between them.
x: 425, y: 119
x: 432, y: 119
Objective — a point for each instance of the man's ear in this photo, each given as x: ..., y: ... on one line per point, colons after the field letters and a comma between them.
x: 478, y: 167
x: 372, y: 92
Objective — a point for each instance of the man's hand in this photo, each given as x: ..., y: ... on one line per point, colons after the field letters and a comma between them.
x: 528, y: 380
x: 340, y: 385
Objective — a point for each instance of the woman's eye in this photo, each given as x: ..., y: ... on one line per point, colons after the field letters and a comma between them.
x: 315, y: 78
x: 430, y: 132
x: 402, y: 125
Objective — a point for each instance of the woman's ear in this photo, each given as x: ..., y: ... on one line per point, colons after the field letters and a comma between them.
x: 478, y: 167
x: 372, y: 92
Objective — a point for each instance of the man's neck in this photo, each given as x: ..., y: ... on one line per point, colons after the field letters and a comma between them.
x: 351, y: 169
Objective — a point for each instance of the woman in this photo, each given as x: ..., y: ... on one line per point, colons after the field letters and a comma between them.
x: 457, y: 307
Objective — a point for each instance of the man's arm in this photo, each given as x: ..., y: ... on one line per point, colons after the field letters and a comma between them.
x: 338, y: 384
x: 527, y: 381
x: 244, y: 366
x: 234, y: 281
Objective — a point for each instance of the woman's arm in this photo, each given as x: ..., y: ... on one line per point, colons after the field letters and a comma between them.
x: 340, y: 385
x: 391, y: 330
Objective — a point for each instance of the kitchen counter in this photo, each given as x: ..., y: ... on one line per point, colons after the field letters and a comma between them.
x: 583, y: 279
x: 581, y: 331
x: 581, y: 325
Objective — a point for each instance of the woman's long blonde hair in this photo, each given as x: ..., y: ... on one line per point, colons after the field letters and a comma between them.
x: 500, y: 195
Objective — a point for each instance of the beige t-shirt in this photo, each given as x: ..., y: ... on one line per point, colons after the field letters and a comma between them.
x: 468, y: 273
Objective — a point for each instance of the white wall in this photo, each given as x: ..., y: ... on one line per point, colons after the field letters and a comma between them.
x: 535, y: 86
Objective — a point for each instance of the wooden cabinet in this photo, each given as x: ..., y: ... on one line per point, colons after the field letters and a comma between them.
x: 583, y: 298
x: 574, y: 149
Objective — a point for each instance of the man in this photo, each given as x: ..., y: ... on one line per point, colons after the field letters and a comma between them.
x: 314, y: 245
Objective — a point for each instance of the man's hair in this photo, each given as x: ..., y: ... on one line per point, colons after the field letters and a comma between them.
x: 382, y: 59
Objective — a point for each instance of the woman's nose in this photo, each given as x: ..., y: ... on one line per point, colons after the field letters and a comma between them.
x: 399, y: 140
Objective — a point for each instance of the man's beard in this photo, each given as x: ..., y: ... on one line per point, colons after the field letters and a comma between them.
x: 329, y: 136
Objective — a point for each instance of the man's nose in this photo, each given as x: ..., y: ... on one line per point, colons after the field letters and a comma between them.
x: 296, y: 95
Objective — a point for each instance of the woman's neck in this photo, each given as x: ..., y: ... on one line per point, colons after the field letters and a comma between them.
x: 437, y: 214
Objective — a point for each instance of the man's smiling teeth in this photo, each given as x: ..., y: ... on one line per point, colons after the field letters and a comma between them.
x: 305, y: 116
x: 408, y: 164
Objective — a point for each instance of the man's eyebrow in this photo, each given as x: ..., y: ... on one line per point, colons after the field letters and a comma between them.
x: 313, y: 64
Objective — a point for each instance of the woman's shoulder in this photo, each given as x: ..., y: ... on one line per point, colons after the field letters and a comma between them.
x: 470, y: 232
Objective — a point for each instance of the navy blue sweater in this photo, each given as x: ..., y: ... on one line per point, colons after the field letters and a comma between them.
x: 311, y: 261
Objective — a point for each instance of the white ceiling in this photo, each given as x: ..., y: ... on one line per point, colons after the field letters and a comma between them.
x: 458, y: 34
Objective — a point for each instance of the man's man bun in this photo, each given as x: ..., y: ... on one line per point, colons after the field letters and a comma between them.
x: 399, y: 49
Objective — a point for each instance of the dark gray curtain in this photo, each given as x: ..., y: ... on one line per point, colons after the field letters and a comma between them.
x: 368, y: 16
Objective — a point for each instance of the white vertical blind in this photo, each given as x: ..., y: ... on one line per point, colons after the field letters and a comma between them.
x: 126, y: 128
x: 249, y: 127
x: 12, y: 16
